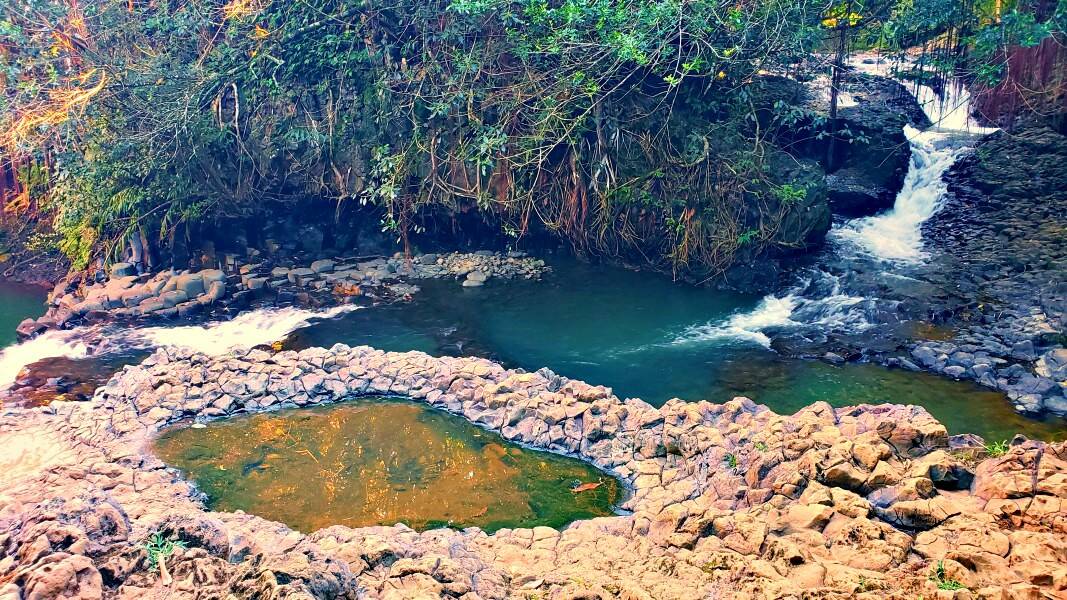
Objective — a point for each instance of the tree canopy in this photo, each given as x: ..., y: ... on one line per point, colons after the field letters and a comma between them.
x: 612, y: 123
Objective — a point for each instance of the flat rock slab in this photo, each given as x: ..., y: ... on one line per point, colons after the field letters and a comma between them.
x: 724, y: 496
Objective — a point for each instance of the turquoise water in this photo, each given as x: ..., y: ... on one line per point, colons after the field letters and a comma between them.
x: 634, y: 333
x: 18, y: 302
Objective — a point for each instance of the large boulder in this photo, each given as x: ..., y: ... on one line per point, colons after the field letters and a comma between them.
x: 122, y: 269
x: 870, y: 153
x: 871, y: 158
x: 802, y: 199
x: 192, y: 284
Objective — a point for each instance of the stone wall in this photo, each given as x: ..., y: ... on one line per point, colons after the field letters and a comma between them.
x: 728, y: 500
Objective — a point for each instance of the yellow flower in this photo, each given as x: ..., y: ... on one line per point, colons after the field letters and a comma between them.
x: 721, y: 75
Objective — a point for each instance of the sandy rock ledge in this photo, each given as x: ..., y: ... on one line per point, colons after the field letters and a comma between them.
x: 728, y: 500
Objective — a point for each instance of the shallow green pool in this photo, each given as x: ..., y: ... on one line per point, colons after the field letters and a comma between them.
x: 647, y: 337
x: 380, y: 462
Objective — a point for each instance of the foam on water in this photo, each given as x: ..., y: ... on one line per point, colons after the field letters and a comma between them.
x: 836, y: 311
x: 244, y: 331
x: 745, y: 326
x: 70, y: 343
x: 896, y: 235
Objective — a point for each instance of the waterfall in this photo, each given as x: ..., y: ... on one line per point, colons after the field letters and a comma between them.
x: 894, y: 238
x: 896, y: 235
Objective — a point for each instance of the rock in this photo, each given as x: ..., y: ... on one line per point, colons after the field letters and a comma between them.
x: 925, y: 355
x: 122, y: 269
x: 29, y: 328
x: 311, y: 239
x: 188, y: 309
x: 151, y: 305
x: 216, y: 292
x: 302, y: 276
x: 1056, y: 405
x: 279, y: 272
x: 766, y: 528
x: 170, y: 299
x: 63, y: 576
x: 1053, y: 364
x: 322, y: 266
x: 211, y: 276
x: 192, y: 284
x: 955, y: 372
x: 852, y: 193
x: 256, y: 283
x: 1023, y: 350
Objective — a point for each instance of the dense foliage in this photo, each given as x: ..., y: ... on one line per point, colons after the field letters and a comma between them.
x: 624, y: 126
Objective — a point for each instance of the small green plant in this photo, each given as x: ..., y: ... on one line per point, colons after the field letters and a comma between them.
x: 43, y: 242
x: 731, y: 460
x: 747, y: 237
x: 995, y: 449
x: 713, y: 565
x: 159, y: 548
x: 939, y: 577
x: 790, y: 194
x: 761, y: 446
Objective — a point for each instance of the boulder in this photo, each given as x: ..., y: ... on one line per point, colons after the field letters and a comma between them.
x: 29, y: 328
x: 174, y: 298
x: 322, y: 266
x: 192, y: 284
x: 302, y: 276
x: 256, y: 283
x: 1053, y: 364
x: 122, y: 269
x: 150, y: 306
x: 212, y: 275
x: 216, y: 292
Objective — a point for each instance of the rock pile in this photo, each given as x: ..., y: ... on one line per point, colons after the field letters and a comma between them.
x: 728, y: 500
x: 1002, y: 238
x: 169, y: 294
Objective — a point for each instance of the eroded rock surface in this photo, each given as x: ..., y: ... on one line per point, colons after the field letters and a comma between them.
x: 125, y: 294
x: 1003, y: 238
x: 728, y: 500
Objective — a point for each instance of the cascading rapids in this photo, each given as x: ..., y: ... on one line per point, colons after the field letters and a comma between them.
x: 894, y: 237
x: 244, y: 331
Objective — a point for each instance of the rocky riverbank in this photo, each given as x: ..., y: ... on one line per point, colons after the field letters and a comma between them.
x: 728, y: 500
x: 1001, y: 240
x: 127, y: 295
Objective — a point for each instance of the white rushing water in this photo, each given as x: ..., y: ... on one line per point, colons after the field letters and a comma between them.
x: 243, y: 331
x: 246, y: 330
x: 835, y: 310
x: 896, y: 235
x: 893, y: 237
x: 47, y: 345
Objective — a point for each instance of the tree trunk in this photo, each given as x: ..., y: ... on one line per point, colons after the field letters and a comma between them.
x: 835, y: 84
